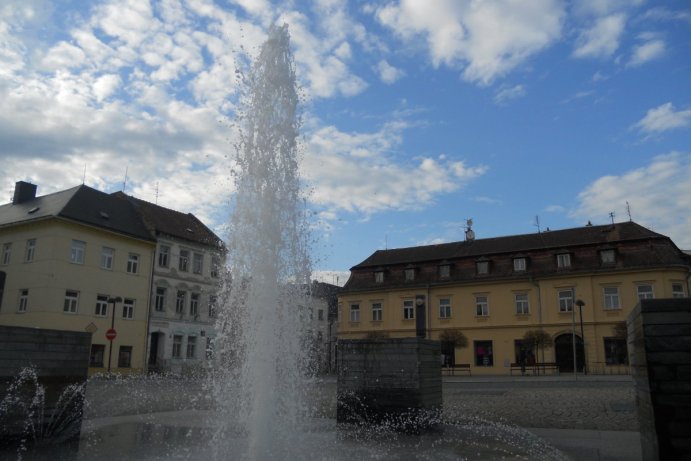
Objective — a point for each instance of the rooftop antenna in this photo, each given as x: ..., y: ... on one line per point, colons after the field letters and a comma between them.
x: 611, y: 216
x: 156, y: 202
x: 469, y: 233
x: 628, y: 211
x: 84, y: 175
x: 124, y: 183
x: 386, y: 241
x: 537, y: 223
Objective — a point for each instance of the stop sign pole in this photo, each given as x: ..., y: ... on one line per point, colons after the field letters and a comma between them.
x: 110, y: 334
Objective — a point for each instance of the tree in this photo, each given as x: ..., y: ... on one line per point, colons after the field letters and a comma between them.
x: 450, y: 340
x: 540, y: 339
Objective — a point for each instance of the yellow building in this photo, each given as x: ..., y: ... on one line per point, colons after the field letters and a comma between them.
x: 78, y: 260
x: 576, y: 285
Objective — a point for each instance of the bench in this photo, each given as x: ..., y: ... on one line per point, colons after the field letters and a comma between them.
x: 460, y: 367
x: 536, y: 369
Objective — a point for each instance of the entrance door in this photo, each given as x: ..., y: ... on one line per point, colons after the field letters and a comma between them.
x: 448, y: 350
x: 153, y: 349
x: 563, y: 350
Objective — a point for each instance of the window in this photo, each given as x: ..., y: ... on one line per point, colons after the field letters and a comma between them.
x: 408, y: 309
x: 678, y: 290
x: 615, y: 351
x: 379, y: 277
x: 160, y: 301
x: 6, y: 253
x: 354, y: 312
x: 444, y: 308
x: 611, y: 295
x: 522, y: 305
x: 23, y: 300
x: 482, y: 267
x: 376, y: 312
x: 30, y: 250
x: 320, y: 314
x: 133, y: 263
x: 180, y: 302
x: 410, y: 274
x: 101, y: 305
x: 564, y: 260
x: 125, y: 357
x: 96, y: 356
x: 197, y: 263
x: 177, y: 346
x: 212, y: 306
x: 163, y: 256
x: 607, y: 257
x: 519, y: 264
x: 445, y: 271
x: 71, y: 301
x: 215, y: 265
x: 191, y: 347
x: 484, y: 356
x: 209, y: 349
x: 77, y: 252
x: 566, y: 301
x: 481, y: 306
x: 645, y: 292
x: 107, y: 258
x: 194, y: 304
x: 128, y: 309
x: 184, y: 260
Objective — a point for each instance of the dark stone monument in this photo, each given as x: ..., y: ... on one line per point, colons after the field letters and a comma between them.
x: 389, y: 380
x: 59, y: 361
x: 659, y: 343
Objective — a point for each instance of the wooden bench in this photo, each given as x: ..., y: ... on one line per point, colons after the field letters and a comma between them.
x: 536, y: 369
x: 460, y: 367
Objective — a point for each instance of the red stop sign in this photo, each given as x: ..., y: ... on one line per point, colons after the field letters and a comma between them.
x: 111, y: 334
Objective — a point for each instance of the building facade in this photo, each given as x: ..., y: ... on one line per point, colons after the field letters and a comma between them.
x: 576, y: 286
x: 78, y: 260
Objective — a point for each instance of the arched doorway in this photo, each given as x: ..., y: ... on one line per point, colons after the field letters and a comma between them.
x: 563, y: 351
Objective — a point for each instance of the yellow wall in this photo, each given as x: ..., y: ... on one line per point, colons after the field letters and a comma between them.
x: 51, y: 273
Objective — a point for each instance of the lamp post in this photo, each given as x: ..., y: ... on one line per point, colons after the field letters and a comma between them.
x: 580, y: 305
x: 114, y: 300
x: 573, y: 334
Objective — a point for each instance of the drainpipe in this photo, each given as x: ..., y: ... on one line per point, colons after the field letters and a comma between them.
x: 429, y: 314
x: 148, y: 312
x: 539, y: 300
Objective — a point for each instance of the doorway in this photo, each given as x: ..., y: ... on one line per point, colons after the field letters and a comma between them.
x: 563, y: 351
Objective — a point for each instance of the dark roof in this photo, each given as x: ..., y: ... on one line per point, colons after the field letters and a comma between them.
x: 81, y: 204
x: 559, y: 239
x: 162, y: 220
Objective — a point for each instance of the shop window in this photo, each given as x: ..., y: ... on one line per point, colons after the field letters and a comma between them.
x: 483, y: 354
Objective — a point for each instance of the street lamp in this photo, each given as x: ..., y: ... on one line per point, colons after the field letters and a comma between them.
x: 115, y: 300
x: 580, y: 305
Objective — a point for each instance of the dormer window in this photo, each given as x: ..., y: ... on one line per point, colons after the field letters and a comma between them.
x: 482, y: 267
x: 564, y: 260
x: 379, y: 277
x: 519, y: 265
x: 445, y: 271
x: 607, y: 256
x: 409, y: 273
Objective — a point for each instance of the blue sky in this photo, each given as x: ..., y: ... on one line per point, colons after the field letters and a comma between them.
x: 417, y: 114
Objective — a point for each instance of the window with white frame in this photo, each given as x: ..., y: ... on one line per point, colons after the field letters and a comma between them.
x: 77, y: 252
x: 6, y: 253
x: 376, y: 312
x: 519, y: 264
x: 30, y: 250
x: 482, y: 267
x: 194, y: 304
x: 354, y: 312
x: 23, y: 300
x: 71, y: 301
x: 163, y: 256
x: 678, y: 290
x: 611, y: 297
x: 410, y: 274
x: 645, y: 291
x: 522, y: 305
x: 565, y: 300
x: 180, y: 302
x: 101, y: 305
x: 133, y: 263
x: 379, y: 277
x: 444, y: 308
x: 564, y: 260
x: 445, y: 271
x: 215, y: 265
x: 183, y: 262
x: 607, y: 256
x: 128, y: 309
x: 481, y: 306
x: 197, y: 263
x: 107, y: 258
x: 160, y: 301
x: 191, y: 347
x: 177, y: 346
x: 408, y: 309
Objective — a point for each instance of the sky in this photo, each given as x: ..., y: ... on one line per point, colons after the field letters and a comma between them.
x: 417, y: 115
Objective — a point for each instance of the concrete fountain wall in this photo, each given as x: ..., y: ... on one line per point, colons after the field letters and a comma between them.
x: 380, y: 379
x: 659, y: 343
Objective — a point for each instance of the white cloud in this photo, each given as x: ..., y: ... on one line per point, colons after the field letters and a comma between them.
x: 388, y: 73
x: 646, y: 52
x: 487, y: 39
x: 602, y: 39
x: 555, y: 209
x: 659, y: 196
x: 664, y: 118
x: 506, y: 94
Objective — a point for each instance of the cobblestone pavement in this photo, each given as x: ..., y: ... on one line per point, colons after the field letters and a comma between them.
x: 588, y: 403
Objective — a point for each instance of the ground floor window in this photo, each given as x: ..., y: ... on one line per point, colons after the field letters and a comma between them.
x: 96, y: 357
x: 524, y: 352
x: 125, y: 357
x: 615, y: 351
x: 177, y: 346
x: 191, y: 347
x: 483, y: 354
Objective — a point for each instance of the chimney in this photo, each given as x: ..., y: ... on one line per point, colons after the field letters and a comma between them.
x: 23, y: 192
